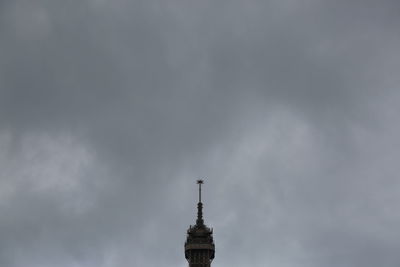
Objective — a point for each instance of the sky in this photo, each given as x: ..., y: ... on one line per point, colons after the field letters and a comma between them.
x: 111, y: 110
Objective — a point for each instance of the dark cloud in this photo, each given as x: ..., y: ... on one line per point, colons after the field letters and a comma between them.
x: 110, y: 110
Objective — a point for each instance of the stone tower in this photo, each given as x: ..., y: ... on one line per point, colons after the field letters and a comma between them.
x: 199, y: 245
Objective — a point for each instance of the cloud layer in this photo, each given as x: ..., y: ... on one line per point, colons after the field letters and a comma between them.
x: 110, y: 110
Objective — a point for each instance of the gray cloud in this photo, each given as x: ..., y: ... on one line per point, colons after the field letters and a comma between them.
x: 110, y: 110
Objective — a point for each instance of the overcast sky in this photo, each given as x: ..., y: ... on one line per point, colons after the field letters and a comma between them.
x: 110, y: 110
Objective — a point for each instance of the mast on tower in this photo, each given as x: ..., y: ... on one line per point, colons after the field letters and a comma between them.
x: 200, y: 220
x: 200, y: 182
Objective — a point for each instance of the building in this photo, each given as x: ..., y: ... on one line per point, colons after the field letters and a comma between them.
x: 199, y: 245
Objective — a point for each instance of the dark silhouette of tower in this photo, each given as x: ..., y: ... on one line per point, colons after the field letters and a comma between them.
x: 199, y: 245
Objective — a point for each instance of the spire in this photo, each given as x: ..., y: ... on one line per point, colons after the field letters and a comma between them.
x: 200, y: 221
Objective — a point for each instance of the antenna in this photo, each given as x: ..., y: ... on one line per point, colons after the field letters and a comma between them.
x: 200, y: 182
x: 199, y: 221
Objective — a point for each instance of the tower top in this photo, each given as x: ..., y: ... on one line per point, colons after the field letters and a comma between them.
x: 199, y: 245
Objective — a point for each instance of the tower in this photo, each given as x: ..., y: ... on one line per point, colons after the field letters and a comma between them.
x: 199, y: 245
